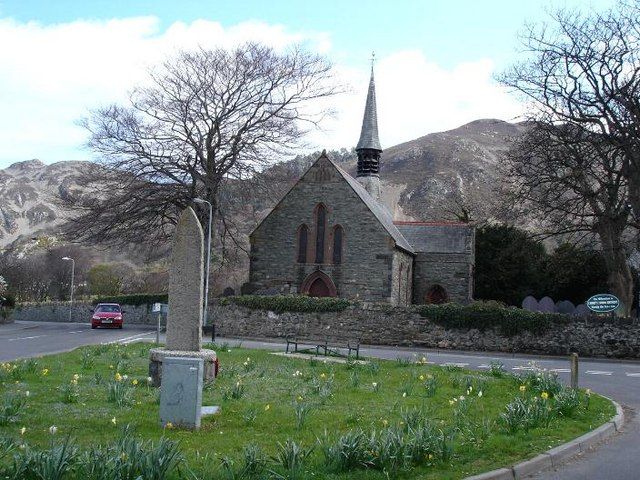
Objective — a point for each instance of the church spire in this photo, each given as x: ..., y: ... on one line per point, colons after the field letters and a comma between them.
x: 368, y: 148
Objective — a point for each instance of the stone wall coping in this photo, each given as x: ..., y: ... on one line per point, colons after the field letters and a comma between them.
x: 560, y: 454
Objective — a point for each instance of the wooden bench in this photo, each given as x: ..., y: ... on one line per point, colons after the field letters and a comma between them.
x: 323, y: 344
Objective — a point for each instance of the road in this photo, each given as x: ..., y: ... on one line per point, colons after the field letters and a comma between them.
x: 617, y: 459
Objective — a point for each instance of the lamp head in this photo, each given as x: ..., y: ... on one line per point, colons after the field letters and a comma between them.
x: 67, y: 258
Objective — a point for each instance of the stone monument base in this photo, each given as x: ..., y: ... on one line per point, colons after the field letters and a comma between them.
x: 157, y: 354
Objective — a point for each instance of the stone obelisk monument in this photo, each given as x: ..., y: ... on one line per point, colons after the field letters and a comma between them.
x: 186, y: 290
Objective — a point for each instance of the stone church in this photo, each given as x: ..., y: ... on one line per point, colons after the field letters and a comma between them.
x: 330, y: 235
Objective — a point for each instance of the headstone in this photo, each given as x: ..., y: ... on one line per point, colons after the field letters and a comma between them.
x: 530, y: 303
x: 566, y: 307
x: 582, y: 311
x: 181, y: 393
x: 546, y: 305
x: 186, y: 285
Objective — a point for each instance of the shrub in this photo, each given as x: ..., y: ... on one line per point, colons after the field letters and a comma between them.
x: 496, y: 368
x: 288, y: 303
x: 134, y: 300
x: 540, y: 380
x: 69, y: 392
x: 302, y: 411
x: 486, y: 315
x: 347, y: 453
x: 525, y: 414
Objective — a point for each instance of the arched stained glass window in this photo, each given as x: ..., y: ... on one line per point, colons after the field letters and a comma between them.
x: 337, y: 245
x: 321, y: 220
x: 303, y: 234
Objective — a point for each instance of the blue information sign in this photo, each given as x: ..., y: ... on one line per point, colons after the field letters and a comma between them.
x: 603, y: 303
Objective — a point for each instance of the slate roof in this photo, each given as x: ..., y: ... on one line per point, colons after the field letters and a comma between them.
x: 369, y: 133
x: 380, y: 211
x: 436, y: 237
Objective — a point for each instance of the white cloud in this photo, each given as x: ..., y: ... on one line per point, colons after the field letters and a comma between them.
x: 51, y: 75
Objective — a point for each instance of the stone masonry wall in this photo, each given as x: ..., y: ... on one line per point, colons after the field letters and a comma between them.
x: 451, y: 271
x: 81, y: 313
x: 365, y: 272
x: 386, y: 325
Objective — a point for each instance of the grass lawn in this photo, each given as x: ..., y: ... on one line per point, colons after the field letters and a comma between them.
x: 267, y: 399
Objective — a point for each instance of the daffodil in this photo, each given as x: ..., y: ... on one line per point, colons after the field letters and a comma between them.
x: 149, y: 380
x: 27, y: 393
x: 22, y: 430
x: 45, y: 372
x: 588, y: 392
x: 421, y: 378
x: 404, y: 394
x: 76, y: 377
x: 480, y: 393
x: 169, y: 425
x: 118, y: 377
x: 114, y: 421
x: 544, y: 395
x: 299, y: 398
x: 267, y: 407
x: 323, y: 375
x: 53, y: 429
x: 134, y: 382
x: 523, y: 388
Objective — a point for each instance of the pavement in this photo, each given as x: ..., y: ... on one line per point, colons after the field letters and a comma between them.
x: 617, y: 459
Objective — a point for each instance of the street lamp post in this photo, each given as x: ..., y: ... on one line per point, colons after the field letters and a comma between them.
x: 73, y: 272
x: 206, y: 278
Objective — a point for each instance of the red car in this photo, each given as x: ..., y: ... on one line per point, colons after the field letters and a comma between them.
x: 107, y: 315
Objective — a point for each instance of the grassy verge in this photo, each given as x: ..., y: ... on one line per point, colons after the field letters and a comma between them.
x: 287, y: 418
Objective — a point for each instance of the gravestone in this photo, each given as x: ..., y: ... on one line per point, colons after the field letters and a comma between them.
x: 565, y: 306
x: 181, y: 393
x: 530, y: 303
x: 582, y: 311
x: 546, y: 305
x: 186, y: 296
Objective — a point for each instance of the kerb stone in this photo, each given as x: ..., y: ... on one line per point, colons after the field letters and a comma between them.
x: 186, y: 284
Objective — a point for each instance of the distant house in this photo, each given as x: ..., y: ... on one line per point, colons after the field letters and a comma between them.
x: 330, y: 235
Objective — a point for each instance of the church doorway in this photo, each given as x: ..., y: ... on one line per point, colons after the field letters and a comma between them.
x: 436, y: 295
x: 318, y: 284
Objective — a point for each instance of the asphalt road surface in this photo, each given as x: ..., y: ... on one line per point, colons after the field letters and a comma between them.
x: 617, y: 459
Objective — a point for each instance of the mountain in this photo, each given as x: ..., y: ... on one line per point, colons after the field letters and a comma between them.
x: 28, y: 197
x: 432, y: 177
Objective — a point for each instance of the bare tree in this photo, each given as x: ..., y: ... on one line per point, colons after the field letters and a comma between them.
x: 584, y: 70
x: 206, y: 119
x: 578, y: 191
x: 579, y: 165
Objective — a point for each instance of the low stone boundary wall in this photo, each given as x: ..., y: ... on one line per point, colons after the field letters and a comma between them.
x: 378, y: 324
x: 80, y: 312
x: 385, y: 325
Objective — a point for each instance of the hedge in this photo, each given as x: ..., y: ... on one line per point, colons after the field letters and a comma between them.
x: 485, y: 315
x: 288, y: 303
x: 134, y: 300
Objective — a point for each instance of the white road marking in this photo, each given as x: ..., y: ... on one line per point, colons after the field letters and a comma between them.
x: 134, y: 338
x: 597, y: 372
x: 77, y: 331
x: 25, y: 338
x: 523, y: 367
x: 451, y: 364
x: 628, y: 374
x: 483, y: 366
x: 560, y: 370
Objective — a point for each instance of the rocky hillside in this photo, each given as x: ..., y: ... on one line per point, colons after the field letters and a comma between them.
x: 431, y: 177
x: 28, y: 197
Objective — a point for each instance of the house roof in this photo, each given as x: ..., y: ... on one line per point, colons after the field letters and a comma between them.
x: 380, y: 211
x: 436, y: 237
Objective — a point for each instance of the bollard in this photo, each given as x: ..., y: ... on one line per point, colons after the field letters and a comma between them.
x: 158, y: 330
x: 574, y: 371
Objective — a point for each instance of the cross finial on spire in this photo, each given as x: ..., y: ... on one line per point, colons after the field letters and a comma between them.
x: 373, y: 59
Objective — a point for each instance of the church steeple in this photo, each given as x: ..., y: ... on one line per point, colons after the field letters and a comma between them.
x: 368, y: 148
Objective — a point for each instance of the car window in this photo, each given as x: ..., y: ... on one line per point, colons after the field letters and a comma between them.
x: 107, y: 309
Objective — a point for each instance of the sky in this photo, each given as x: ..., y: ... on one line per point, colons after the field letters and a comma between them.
x: 436, y: 60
